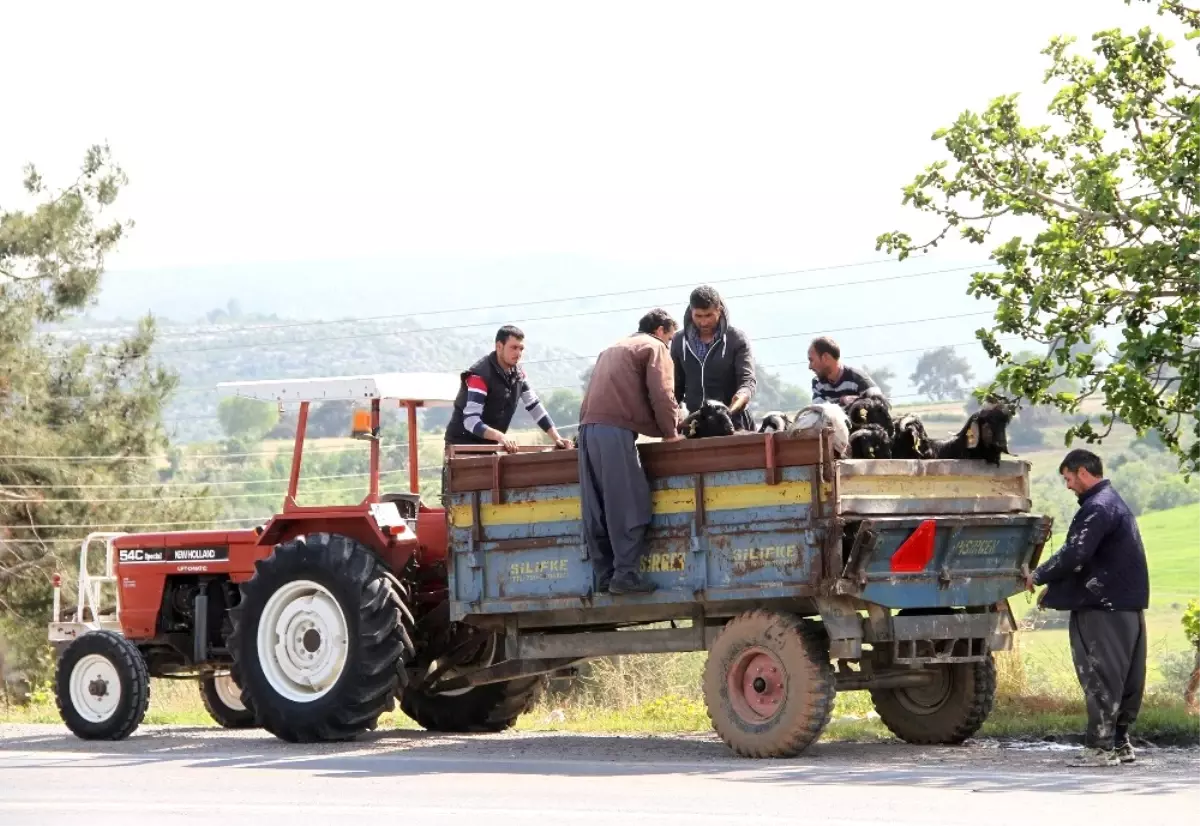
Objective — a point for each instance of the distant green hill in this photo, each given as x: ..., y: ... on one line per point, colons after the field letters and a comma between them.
x: 1172, y: 540
x: 204, y: 355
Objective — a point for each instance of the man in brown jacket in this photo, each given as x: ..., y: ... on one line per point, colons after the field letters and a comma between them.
x: 631, y: 391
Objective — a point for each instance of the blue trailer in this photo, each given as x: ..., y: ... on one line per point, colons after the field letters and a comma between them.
x: 800, y: 574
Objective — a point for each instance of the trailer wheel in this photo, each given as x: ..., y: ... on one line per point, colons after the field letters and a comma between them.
x: 102, y: 687
x: 485, y: 708
x: 768, y: 684
x: 947, y: 712
x: 319, y: 639
x: 222, y: 698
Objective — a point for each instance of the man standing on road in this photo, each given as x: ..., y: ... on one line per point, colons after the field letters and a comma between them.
x: 631, y: 391
x: 1100, y: 576
x: 713, y: 359
x: 835, y: 383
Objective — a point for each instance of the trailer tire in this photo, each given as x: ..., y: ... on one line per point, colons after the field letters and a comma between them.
x: 760, y: 712
x: 486, y: 708
x: 320, y: 639
x: 491, y: 707
x: 946, y: 713
x: 222, y: 699
x: 102, y: 686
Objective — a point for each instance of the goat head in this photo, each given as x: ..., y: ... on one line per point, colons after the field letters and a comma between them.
x: 774, y: 422
x: 910, y: 440
x: 984, y: 436
x: 870, y: 410
x: 711, y: 419
x: 870, y: 441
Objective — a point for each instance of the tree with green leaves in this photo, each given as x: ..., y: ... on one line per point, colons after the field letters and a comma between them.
x: 79, y: 426
x: 773, y: 393
x: 1110, y: 194
x: 882, y: 376
x: 243, y: 418
x: 942, y: 374
x: 563, y: 405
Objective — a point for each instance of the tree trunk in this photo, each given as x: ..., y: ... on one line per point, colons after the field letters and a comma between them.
x: 1189, y: 693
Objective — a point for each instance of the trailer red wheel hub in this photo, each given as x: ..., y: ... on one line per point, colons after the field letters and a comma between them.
x: 757, y: 685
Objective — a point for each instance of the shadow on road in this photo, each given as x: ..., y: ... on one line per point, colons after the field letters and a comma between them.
x: 402, y: 753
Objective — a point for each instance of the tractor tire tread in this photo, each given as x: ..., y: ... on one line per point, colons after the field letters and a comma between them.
x: 803, y: 648
x: 223, y: 715
x: 131, y: 670
x: 973, y: 695
x: 374, y: 668
x: 486, y: 709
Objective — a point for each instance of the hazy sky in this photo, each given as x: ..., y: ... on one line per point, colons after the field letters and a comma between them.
x: 341, y: 160
x: 743, y: 135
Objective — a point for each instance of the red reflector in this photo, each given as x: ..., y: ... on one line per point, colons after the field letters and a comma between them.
x: 916, y: 551
x: 57, y: 580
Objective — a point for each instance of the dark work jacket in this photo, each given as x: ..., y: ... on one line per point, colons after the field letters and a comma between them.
x: 1102, y: 564
x: 727, y: 368
x: 503, y: 396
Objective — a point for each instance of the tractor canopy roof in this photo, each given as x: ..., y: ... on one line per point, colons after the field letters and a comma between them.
x: 429, y: 389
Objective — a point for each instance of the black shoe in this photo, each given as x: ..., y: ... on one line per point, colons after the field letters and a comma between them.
x: 631, y: 583
x: 602, y: 582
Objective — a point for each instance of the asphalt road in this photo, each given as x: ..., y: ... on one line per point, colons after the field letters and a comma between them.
x: 169, y: 776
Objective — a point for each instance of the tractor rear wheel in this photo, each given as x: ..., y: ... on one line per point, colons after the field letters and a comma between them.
x: 768, y: 684
x: 484, y: 708
x: 102, y: 687
x: 320, y: 639
x: 222, y: 698
x: 946, y: 712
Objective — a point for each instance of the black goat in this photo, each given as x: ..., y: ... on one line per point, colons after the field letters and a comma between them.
x: 871, y: 410
x: 984, y: 436
x: 711, y: 419
x: 870, y: 441
x: 911, y: 441
x: 775, y: 422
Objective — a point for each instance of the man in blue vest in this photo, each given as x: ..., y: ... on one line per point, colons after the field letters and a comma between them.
x: 489, y: 393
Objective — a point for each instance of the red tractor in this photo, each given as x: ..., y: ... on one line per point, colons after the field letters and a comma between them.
x: 311, y: 625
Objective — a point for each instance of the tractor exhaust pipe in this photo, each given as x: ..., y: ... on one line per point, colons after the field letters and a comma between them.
x: 200, y: 632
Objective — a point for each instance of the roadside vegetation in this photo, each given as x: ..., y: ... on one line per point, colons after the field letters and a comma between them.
x: 1038, y: 695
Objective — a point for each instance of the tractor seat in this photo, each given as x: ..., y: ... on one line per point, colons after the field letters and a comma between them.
x: 407, y: 503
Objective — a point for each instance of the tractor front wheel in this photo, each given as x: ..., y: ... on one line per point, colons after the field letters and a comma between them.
x: 319, y: 640
x: 222, y: 698
x: 102, y: 687
x: 768, y: 684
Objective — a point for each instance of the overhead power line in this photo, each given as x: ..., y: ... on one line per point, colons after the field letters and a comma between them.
x: 555, y: 317
x: 564, y: 299
x: 434, y: 438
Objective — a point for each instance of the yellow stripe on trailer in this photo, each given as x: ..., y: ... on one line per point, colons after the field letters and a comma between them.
x: 676, y: 500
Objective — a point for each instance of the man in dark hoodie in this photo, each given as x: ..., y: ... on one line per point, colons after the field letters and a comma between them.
x: 1100, y: 576
x: 713, y: 359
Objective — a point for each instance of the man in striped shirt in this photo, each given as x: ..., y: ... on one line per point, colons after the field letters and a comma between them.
x: 488, y: 396
x: 835, y: 383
